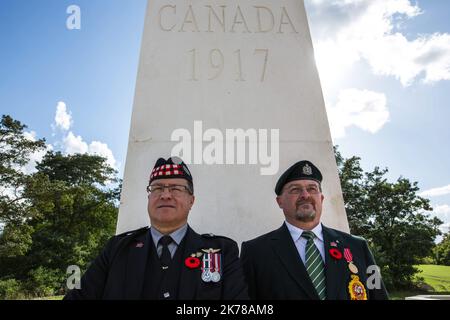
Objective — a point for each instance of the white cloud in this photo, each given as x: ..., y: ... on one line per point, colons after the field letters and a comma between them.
x: 75, y: 144
x: 72, y: 144
x: 443, y: 212
x: 63, y: 119
x: 407, y: 60
x: 348, y: 31
x: 442, y: 209
x: 35, y: 157
x: 435, y: 192
x: 30, y: 135
x: 364, y: 109
x: 445, y: 228
x: 102, y: 149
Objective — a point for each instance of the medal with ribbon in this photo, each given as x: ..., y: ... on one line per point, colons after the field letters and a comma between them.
x: 211, y: 265
x: 349, y: 257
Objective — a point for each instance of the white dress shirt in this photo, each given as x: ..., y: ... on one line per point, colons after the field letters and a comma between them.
x: 176, y: 236
x: 300, y: 242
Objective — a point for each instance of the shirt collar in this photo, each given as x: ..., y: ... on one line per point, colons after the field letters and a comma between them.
x: 296, y: 232
x: 176, y: 236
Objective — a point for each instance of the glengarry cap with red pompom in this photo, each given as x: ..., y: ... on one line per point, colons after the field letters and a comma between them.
x: 171, y: 168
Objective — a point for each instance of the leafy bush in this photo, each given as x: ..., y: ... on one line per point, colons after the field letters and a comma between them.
x: 43, y: 282
x: 11, y: 289
x: 442, y: 251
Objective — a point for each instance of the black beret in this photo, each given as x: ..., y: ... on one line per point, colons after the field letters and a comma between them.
x: 302, y: 170
x: 173, y: 167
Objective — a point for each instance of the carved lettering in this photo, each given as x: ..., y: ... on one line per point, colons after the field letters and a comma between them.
x: 261, y: 29
x: 216, y: 64
x: 221, y: 22
x: 190, y: 19
x: 242, y: 21
x: 160, y: 17
x: 227, y: 19
x: 283, y: 22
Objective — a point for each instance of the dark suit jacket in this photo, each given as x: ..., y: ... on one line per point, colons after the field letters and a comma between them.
x: 118, y: 272
x: 274, y: 269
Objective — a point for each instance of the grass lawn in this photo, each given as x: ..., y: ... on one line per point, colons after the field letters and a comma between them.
x: 50, y: 298
x: 436, y: 279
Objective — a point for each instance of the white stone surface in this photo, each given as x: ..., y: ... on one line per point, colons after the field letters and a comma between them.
x: 254, y: 69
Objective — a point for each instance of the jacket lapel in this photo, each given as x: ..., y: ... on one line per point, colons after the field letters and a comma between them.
x: 284, y: 247
x: 336, y: 270
x: 136, y: 264
x: 190, y: 278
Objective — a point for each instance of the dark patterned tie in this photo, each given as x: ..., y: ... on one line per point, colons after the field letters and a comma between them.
x: 165, y: 257
x: 314, y: 264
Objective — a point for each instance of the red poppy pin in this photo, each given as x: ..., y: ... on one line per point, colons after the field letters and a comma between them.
x: 335, y: 253
x: 192, y: 262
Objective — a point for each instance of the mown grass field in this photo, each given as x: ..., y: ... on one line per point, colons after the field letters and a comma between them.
x: 436, y: 280
x: 437, y: 277
x: 51, y: 298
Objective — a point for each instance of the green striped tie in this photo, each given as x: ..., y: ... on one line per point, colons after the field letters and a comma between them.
x: 314, y: 264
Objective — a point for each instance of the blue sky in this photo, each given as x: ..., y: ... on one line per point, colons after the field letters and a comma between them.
x: 384, y: 67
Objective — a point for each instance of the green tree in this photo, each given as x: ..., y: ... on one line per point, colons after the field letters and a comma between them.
x: 15, y: 151
x: 73, y: 215
x: 391, y: 216
x: 75, y: 212
x: 442, y: 251
x: 68, y: 210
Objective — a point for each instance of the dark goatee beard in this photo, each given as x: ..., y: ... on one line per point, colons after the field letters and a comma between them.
x: 306, y: 216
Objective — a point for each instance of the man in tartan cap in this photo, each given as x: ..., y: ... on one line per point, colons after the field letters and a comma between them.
x: 168, y: 260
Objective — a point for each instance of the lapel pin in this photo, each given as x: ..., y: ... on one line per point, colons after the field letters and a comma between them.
x: 192, y: 262
x: 335, y: 253
x: 139, y: 245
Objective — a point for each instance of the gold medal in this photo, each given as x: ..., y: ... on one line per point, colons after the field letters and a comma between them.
x: 352, y: 267
x: 356, y: 289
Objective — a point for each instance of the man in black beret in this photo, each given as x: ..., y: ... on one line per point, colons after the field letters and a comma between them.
x: 169, y: 260
x: 303, y: 259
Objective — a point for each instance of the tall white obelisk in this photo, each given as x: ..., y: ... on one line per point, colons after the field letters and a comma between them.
x: 232, y: 87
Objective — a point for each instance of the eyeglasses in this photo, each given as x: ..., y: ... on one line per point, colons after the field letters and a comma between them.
x: 312, y: 189
x: 174, y: 189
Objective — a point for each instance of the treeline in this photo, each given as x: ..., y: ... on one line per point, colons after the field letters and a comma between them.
x: 394, y: 219
x: 60, y: 215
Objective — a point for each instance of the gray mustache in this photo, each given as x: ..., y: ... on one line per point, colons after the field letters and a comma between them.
x: 304, y: 202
